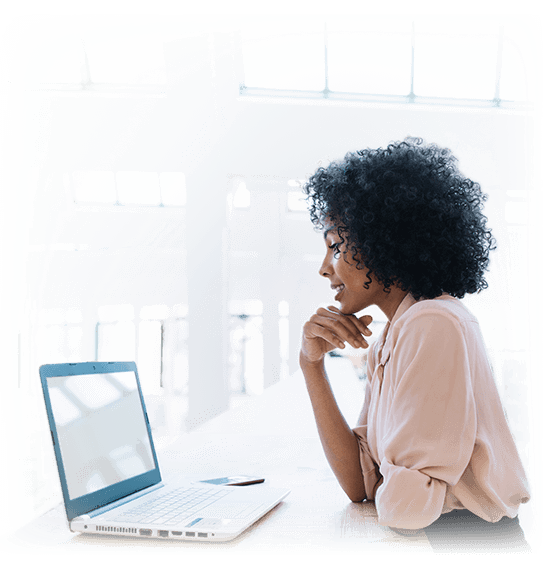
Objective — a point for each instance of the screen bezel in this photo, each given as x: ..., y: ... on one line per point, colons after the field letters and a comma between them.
x: 90, y: 502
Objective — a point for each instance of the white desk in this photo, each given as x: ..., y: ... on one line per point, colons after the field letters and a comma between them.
x: 272, y: 436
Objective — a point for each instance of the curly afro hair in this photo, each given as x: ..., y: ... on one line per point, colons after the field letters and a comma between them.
x: 408, y: 216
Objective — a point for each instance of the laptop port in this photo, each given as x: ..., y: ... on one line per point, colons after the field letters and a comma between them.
x: 163, y: 533
x: 176, y: 533
x: 145, y: 532
x: 203, y: 535
x: 190, y: 534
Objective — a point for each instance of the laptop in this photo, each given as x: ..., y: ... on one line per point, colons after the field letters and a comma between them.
x: 108, y: 466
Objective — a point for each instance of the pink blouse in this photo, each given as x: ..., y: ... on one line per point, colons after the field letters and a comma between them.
x: 433, y: 436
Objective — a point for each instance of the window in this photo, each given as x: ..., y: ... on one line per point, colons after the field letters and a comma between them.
x: 296, y: 201
x: 59, y: 335
x: 159, y: 346
x: 129, y: 188
x: 429, y: 60
x: 284, y: 337
x: 125, y: 57
x: 455, y: 60
x: 71, y: 54
x: 284, y: 55
x: 239, y: 195
x: 246, y: 347
x: 359, y: 56
x: 116, y: 333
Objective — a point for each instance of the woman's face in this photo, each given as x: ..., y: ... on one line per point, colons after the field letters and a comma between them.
x: 345, y: 278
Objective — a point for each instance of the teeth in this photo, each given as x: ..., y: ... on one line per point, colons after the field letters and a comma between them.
x: 339, y: 287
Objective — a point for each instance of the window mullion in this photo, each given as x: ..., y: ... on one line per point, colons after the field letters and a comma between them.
x: 326, y: 91
x: 499, y: 66
x: 411, y: 93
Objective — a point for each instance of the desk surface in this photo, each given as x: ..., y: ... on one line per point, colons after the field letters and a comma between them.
x: 273, y: 436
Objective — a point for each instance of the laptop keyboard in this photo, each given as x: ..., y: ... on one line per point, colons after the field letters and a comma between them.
x: 173, y: 507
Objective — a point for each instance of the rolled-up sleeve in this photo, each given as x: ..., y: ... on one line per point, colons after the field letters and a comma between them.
x: 426, y: 426
x: 371, y: 473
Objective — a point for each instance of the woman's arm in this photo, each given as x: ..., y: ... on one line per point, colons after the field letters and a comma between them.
x: 339, y: 442
x: 325, y: 331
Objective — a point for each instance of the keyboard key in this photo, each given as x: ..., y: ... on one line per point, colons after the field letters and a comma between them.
x: 171, y: 508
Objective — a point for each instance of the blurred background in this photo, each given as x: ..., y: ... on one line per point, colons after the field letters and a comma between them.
x: 152, y: 210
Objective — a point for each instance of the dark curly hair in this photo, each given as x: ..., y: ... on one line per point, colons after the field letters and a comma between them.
x: 408, y: 216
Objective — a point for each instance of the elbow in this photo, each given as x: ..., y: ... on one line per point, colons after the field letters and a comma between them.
x: 355, y: 495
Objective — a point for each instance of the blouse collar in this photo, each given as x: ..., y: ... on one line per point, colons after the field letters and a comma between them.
x: 405, y: 304
x: 385, y: 347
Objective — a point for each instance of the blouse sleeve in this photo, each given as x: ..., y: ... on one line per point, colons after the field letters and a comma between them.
x: 427, y: 423
x: 370, y: 471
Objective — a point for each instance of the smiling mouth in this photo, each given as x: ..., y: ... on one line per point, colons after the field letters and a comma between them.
x: 338, y: 288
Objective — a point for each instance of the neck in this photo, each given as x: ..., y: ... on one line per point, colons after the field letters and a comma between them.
x: 390, y: 301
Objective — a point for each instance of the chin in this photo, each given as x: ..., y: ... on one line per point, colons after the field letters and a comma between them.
x: 348, y: 309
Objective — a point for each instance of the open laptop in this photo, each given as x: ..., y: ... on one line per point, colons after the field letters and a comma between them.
x: 108, y: 466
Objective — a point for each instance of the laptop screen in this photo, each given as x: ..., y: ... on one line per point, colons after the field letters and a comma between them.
x: 101, y: 430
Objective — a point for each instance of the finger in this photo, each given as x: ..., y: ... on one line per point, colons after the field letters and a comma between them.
x: 365, y: 321
x: 360, y: 323
x: 344, y: 328
x: 354, y: 325
x: 313, y: 330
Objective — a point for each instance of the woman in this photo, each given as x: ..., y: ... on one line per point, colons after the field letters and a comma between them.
x: 404, y: 230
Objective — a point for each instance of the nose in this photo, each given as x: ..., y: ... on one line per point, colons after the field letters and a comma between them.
x: 326, y: 267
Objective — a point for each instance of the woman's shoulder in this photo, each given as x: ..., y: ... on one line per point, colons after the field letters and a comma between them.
x: 442, y: 308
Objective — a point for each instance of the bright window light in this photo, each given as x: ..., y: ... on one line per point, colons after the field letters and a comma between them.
x: 138, y: 188
x: 74, y: 316
x: 296, y: 201
x: 73, y: 342
x: 116, y: 341
x: 516, y: 212
x: 50, y: 342
x: 180, y: 310
x: 154, y: 312
x: 126, y: 59
x: 513, y: 83
x: 62, y: 247
x: 361, y: 55
x: 284, y: 338
x: 295, y: 183
x: 149, y: 355
x: 453, y: 61
x: 116, y: 313
x: 37, y: 55
x: 250, y: 307
x: 172, y: 189
x: 94, y: 187
x: 241, y: 197
x: 283, y: 308
x: 284, y: 55
x: 52, y: 316
x: 253, y: 356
